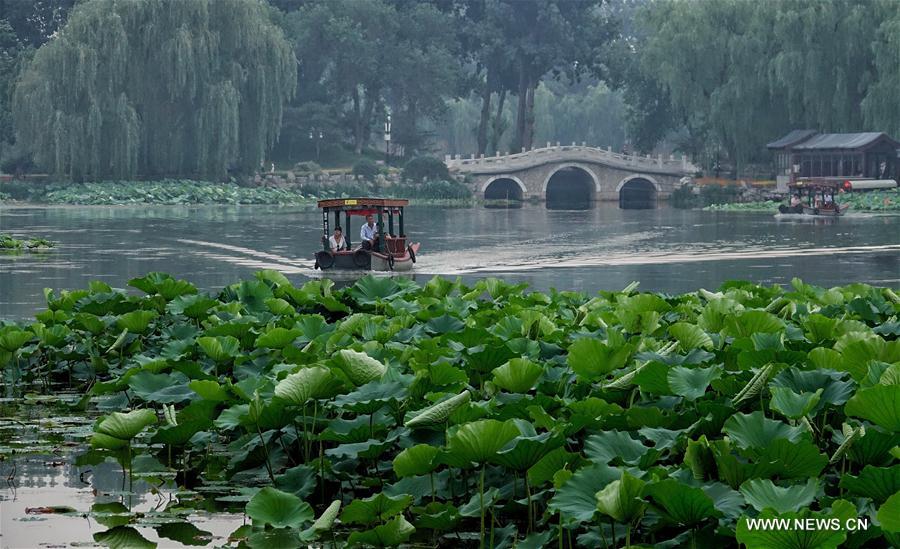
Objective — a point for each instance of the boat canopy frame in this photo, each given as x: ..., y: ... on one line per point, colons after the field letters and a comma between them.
x: 379, y: 207
x: 810, y: 189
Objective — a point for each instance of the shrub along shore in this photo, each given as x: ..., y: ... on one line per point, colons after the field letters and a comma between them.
x: 387, y: 412
x: 182, y: 191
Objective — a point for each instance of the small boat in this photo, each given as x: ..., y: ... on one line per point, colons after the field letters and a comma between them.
x: 389, y: 252
x: 816, y: 198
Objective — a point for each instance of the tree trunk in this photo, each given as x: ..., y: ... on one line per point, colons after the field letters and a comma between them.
x: 528, y: 136
x: 485, y: 116
x: 522, y: 109
x: 357, y: 122
x: 371, y: 99
x: 497, y: 124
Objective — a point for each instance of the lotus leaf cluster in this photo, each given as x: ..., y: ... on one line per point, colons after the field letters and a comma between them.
x: 389, y: 413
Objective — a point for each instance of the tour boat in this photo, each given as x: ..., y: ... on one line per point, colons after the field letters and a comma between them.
x: 390, y: 251
x: 817, y: 198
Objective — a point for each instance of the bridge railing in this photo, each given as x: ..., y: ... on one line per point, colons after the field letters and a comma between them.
x: 550, y: 151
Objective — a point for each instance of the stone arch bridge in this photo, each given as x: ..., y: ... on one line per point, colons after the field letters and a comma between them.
x: 574, y: 174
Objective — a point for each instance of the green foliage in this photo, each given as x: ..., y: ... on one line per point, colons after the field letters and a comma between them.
x: 366, y: 169
x: 201, y: 94
x: 489, y: 401
x: 425, y: 168
x: 7, y: 242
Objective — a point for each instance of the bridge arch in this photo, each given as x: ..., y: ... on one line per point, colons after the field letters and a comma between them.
x: 638, y: 192
x: 504, y: 186
x: 570, y: 186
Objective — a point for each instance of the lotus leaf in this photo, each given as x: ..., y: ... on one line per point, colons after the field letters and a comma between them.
x: 278, y: 509
x: 764, y: 494
x: 518, y: 375
x: 879, y: 404
x: 621, y: 499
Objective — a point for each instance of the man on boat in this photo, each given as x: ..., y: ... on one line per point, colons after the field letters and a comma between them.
x: 368, y: 233
x: 336, y: 241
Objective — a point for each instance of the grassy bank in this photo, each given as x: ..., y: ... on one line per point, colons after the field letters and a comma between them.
x: 446, y: 414
x: 873, y: 201
x: 171, y: 192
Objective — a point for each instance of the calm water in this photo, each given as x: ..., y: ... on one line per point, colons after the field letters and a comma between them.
x: 667, y: 249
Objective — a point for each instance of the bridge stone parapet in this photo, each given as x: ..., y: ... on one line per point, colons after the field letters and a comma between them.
x: 607, y: 173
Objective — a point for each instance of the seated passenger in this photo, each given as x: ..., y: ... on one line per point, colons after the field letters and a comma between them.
x: 368, y: 233
x: 336, y: 241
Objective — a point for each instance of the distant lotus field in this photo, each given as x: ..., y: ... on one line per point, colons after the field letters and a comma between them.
x: 389, y: 413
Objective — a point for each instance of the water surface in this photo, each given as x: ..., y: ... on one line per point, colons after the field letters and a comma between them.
x: 666, y: 249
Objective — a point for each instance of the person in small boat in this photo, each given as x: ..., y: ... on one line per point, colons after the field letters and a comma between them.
x: 336, y: 241
x: 796, y: 205
x: 368, y: 233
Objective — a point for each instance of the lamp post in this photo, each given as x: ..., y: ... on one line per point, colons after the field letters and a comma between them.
x: 387, y: 139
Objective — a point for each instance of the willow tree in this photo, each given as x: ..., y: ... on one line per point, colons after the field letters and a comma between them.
x: 156, y: 87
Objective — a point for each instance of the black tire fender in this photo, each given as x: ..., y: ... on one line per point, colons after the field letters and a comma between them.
x: 412, y: 253
x: 815, y: 211
x: 324, y: 260
x: 361, y: 258
x: 390, y: 261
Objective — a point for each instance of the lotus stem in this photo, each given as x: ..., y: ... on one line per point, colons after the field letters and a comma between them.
x: 530, y: 510
x: 266, y: 453
x: 481, y: 504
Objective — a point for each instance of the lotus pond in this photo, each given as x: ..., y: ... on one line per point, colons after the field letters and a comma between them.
x: 446, y: 415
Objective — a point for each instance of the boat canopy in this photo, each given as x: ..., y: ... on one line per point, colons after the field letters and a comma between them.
x: 378, y: 207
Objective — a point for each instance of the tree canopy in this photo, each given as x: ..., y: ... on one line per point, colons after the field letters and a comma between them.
x: 156, y: 87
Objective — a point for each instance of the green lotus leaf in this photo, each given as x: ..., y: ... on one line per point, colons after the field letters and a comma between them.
x: 414, y: 461
x: 681, y: 504
x: 749, y: 322
x: 764, y: 494
x: 691, y: 383
x: 390, y: 534
x: 162, y: 284
x: 300, y: 481
x: 891, y: 376
x: 277, y: 338
x: 591, y: 358
x: 192, y: 306
x: 576, y: 499
x: 621, y: 499
x: 12, y: 338
x: 280, y: 307
x: 371, y: 397
x: 439, y: 413
x: 479, y: 441
x: 209, y: 390
x: 796, y: 538
x: 879, y: 404
x: 220, y: 348
x: 54, y: 336
x: 609, y: 445
x: 518, y: 375
x: 790, y: 460
x: 377, y: 508
x: 877, y: 483
x: 123, y: 537
x: 278, y: 509
x: 276, y: 278
x: 89, y: 322
x: 360, y: 368
x: 184, y: 533
x: 792, y: 405
x: 163, y: 388
x: 136, y: 322
x: 370, y: 290
x: 526, y: 450
x: 835, y: 390
x: 690, y: 336
x: 555, y: 460
x: 756, y: 431
x: 308, y: 384
x: 122, y: 426
x: 819, y: 328
x: 889, y: 514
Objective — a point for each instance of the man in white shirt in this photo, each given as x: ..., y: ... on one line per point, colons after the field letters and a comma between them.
x: 368, y: 233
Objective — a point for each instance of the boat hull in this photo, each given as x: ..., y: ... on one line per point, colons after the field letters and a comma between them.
x: 364, y: 260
